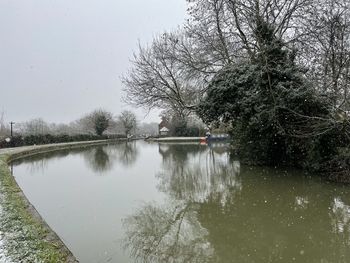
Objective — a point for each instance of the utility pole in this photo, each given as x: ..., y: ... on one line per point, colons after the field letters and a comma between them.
x: 11, y: 123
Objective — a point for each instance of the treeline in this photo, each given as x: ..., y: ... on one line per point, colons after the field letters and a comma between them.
x: 97, y: 122
x: 276, y: 72
x: 97, y: 125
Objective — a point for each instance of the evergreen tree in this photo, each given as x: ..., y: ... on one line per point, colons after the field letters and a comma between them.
x: 277, y: 116
x: 101, y: 123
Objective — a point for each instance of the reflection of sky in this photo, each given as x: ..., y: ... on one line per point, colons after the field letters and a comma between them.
x: 341, y: 216
x: 301, y: 202
x: 86, y: 209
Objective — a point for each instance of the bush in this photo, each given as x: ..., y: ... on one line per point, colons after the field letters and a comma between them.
x: 338, y: 168
x: 15, y: 142
x: 184, y: 131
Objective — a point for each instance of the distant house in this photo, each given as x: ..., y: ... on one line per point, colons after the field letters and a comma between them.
x: 164, y: 131
x: 164, y: 127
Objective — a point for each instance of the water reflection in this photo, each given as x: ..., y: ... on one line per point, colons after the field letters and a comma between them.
x: 219, y: 212
x: 170, y: 233
x: 200, y: 205
x: 39, y: 162
x: 191, y: 175
x: 128, y: 153
x: 196, y: 173
x: 340, y: 216
x: 100, y: 159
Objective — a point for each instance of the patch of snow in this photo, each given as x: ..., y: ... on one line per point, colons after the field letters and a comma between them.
x: 3, y: 258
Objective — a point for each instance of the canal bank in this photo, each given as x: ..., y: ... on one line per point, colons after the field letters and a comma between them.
x: 214, y: 138
x: 24, y: 235
x: 177, y: 139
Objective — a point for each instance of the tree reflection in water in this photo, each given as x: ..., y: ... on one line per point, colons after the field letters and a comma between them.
x: 102, y: 158
x: 191, y: 175
x: 171, y: 233
x: 99, y: 159
x: 38, y: 163
x: 127, y: 153
x: 217, y: 211
x: 340, y: 216
x: 196, y: 173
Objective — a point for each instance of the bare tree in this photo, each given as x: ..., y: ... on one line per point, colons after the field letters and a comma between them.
x: 128, y: 121
x: 158, y: 79
x: 3, y: 127
x: 326, y: 49
x: 97, y: 121
x: 173, y: 73
x: 34, y: 127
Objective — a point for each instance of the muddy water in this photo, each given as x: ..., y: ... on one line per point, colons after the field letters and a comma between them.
x: 140, y: 202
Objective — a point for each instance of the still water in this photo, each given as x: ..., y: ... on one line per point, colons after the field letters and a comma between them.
x: 148, y: 202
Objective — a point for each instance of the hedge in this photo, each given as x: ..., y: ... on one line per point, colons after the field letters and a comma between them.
x: 17, y: 141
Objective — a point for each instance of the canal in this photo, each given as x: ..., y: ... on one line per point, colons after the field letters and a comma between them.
x: 150, y: 202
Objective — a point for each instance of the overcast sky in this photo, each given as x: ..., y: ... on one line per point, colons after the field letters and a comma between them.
x: 60, y: 59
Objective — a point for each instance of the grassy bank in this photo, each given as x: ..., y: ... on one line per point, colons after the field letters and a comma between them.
x: 24, y: 234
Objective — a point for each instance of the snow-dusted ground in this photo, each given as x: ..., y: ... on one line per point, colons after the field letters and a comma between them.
x: 3, y: 258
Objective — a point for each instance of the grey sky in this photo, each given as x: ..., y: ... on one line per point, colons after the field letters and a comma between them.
x: 60, y: 59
